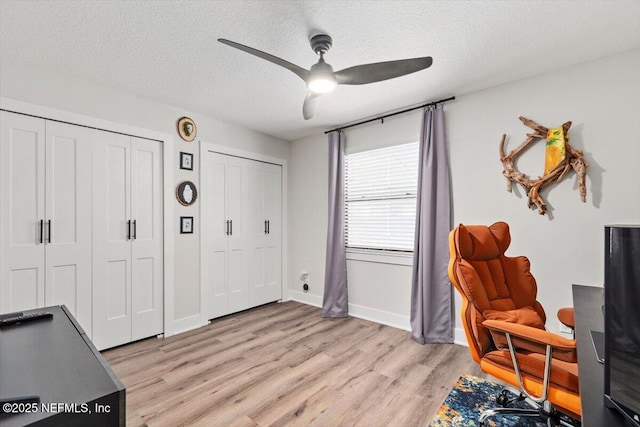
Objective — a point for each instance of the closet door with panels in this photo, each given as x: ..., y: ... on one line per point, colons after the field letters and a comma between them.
x: 238, y: 278
x: 111, y: 241
x: 273, y: 243
x: 241, y: 233
x: 45, y: 219
x: 147, y: 243
x: 81, y: 225
x: 257, y: 229
x: 22, y: 156
x: 265, y: 253
x: 67, y: 226
x: 127, y: 240
x: 215, y: 233
x: 224, y: 241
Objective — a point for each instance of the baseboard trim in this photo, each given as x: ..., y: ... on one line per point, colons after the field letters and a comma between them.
x: 459, y: 337
x: 390, y: 319
x: 305, y: 298
x: 373, y: 315
x: 359, y: 311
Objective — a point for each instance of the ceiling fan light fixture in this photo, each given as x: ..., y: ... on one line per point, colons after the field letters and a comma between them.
x: 322, y: 83
x: 321, y: 78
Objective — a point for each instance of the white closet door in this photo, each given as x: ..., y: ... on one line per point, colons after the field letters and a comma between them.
x: 256, y: 225
x: 238, y: 278
x: 22, y: 154
x: 68, y: 219
x: 111, y: 241
x: 214, y: 233
x: 273, y: 246
x: 146, y: 243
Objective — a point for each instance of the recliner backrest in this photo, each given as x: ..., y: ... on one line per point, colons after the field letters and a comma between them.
x: 488, y: 279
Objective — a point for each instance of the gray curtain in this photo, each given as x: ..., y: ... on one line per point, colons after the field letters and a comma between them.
x: 335, y: 302
x: 430, y: 287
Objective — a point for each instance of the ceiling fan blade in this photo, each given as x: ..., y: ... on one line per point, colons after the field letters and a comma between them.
x: 309, y: 105
x: 299, y: 71
x: 379, y: 71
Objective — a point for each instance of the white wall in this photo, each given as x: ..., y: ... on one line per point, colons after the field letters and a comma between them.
x: 601, y: 97
x: 308, y: 187
x: 47, y: 89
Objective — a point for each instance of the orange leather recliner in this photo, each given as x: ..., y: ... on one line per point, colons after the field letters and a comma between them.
x: 504, y: 325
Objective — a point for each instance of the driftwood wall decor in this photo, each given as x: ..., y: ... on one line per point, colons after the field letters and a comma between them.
x: 560, y: 158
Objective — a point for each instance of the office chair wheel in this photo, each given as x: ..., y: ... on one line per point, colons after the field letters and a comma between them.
x: 507, y: 397
x: 503, y: 399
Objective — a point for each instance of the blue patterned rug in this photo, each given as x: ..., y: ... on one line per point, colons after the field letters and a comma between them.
x: 469, y: 398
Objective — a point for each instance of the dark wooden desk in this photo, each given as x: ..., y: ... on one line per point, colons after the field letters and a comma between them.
x: 587, y: 303
x: 55, y: 360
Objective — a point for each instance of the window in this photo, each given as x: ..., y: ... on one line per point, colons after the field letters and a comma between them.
x: 380, y: 198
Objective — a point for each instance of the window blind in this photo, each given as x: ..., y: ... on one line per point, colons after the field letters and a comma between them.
x: 380, y: 198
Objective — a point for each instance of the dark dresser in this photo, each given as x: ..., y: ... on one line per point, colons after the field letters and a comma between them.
x: 55, y: 360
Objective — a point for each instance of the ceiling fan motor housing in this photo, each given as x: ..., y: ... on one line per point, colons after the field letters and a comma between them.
x: 321, y: 43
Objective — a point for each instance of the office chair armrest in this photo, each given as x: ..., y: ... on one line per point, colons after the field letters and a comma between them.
x: 532, y: 339
x: 566, y: 316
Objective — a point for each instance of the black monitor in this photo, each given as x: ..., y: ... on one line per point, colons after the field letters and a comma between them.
x: 622, y: 320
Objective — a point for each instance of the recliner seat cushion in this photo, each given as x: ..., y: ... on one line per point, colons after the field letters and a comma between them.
x: 563, y: 374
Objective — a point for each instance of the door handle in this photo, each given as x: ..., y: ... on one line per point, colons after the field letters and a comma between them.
x: 231, y: 227
x: 268, y: 226
x: 135, y: 230
x: 41, y: 230
x: 226, y: 231
x: 49, y: 231
x: 265, y: 226
x: 129, y: 230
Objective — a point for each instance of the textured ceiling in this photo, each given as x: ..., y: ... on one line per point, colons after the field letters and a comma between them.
x: 166, y: 51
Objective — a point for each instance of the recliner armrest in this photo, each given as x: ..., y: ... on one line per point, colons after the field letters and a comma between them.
x: 567, y: 317
x: 532, y: 339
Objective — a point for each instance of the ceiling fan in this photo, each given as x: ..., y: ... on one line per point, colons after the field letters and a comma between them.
x: 321, y: 78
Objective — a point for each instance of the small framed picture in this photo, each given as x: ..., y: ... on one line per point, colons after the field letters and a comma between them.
x: 187, y: 129
x: 186, y: 193
x: 186, y: 161
x: 186, y: 225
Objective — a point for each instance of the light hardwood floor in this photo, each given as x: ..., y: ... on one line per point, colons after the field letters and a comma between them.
x: 284, y: 365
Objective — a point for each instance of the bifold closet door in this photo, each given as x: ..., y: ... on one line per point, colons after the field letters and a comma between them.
x: 127, y: 239
x: 241, y: 233
x: 111, y: 240
x: 81, y: 225
x: 257, y: 232
x: 147, y: 241
x: 22, y: 191
x: 46, y: 184
x: 237, y: 213
x: 273, y: 244
x: 224, y: 241
x: 67, y: 225
x: 264, y: 258
x: 215, y: 231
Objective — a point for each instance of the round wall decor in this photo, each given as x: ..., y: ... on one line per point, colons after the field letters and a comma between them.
x: 187, y: 129
x: 186, y: 193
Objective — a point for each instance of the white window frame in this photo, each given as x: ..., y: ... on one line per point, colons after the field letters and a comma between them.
x: 386, y: 256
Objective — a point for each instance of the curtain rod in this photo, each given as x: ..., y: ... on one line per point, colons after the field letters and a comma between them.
x: 392, y: 114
